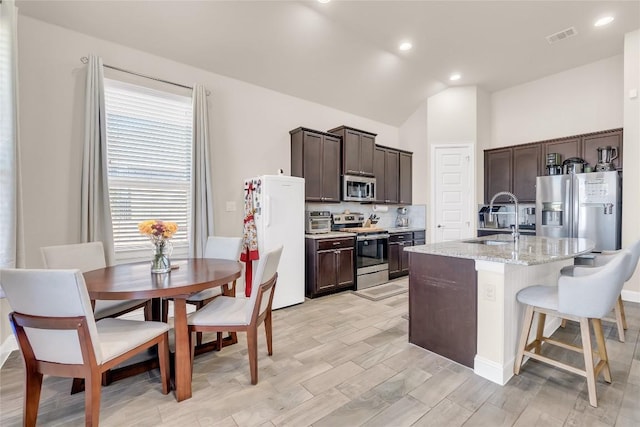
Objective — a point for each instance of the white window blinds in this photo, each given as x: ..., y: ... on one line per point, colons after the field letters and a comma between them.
x: 149, y: 162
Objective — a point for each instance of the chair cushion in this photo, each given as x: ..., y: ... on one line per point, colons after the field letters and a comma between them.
x: 223, y: 311
x: 107, y: 308
x: 117, y: 336
x: 539, y: 296
x: 206, y: 294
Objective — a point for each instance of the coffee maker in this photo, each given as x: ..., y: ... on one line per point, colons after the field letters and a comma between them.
x: 606, y: 156
x: 402, y: 220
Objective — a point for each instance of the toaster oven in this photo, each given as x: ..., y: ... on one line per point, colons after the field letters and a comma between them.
x: 317, y: 222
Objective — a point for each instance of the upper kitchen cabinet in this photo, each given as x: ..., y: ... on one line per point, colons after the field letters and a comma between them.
x: 526, y: 167
x: 590, y: 143
x: 497, y: 173
x: 358, y: 148
x: 405, y: 185
x: 315, y: 156
x: 511, y: 169
x: 393, y: 173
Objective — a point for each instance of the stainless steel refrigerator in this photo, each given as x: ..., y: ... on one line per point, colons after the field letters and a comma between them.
x: 587, y: 205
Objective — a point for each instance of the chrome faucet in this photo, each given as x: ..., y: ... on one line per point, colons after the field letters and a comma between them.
x: 515, y: 232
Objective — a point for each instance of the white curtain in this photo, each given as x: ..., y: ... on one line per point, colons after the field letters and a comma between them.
x: 11, y: 238
x: 201, y: 194
x: 96, y: 213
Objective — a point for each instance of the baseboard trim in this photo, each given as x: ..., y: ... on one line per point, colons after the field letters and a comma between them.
x: 494, y: 372
x: 8, y: 346
x: 631, y: 296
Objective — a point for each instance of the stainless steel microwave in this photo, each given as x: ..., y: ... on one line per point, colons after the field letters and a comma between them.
x: 358, y: 188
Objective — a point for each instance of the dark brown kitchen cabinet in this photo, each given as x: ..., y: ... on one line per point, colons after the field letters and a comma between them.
x: 405, y: 185
x: 358, y: 148
x: 497, y: 173
x: 330, y: 265
x: 391, y: 175
x: 379, y: 157
x: 526, y: 168
x: 398, y: 258
x: 315, y: 156
x: 589, y: 145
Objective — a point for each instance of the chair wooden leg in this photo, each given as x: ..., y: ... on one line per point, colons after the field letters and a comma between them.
x: 33, y: 386
x: 524, y: 337
x: 252, y: 346
x: 563, y: 323
x: 218, y: 341
x: 92, y: 398
x: 588, y: 361
x: 542, y: 318
x: 268, y: 333
x: 199, y: 305
x: 163, y: 359
x: 602, y: 349
x: 621, y: 320
x: 148, y: 311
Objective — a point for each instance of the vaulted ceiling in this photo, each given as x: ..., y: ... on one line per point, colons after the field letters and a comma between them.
x: 344, y: 54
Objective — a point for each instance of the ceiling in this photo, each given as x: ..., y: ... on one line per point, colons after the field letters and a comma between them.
x: 344, y: 54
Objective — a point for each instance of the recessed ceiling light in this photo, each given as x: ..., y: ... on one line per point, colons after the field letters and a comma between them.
x: 324, y: 1
x: 405, y: 46
x: 455, y: 76
x: 603, y: 21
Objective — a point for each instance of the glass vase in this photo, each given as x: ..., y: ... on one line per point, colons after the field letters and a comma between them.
x: 160, y: 262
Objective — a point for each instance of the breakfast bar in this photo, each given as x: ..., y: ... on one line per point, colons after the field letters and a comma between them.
x: 462, y: 295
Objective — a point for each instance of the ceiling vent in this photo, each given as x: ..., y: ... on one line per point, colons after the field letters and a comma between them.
x: 561, y: 35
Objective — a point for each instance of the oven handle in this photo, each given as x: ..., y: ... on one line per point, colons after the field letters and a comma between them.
x: 372, y: 237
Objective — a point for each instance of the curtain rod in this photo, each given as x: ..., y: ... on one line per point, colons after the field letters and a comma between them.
x: 85, y: 60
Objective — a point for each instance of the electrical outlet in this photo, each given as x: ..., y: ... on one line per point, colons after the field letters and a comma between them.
x: 490, y: 292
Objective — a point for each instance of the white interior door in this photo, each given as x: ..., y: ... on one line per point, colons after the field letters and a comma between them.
x: 452, y: 192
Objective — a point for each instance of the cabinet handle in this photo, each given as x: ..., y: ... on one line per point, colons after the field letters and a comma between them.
x: 336, y: 243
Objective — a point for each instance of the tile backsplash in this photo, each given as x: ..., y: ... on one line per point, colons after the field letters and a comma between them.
x: 388, y: 213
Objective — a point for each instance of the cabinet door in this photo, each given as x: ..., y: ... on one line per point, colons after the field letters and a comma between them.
x: 590, y: 144
x: 367, y: 147
x: 351, y: 151
x: 525, y: 170
x: 346, y: 268
x: 567, y: 148
x: 378, y: 171
x: 391, y: 175
x: 326, y: 273
x: 497, y: 173
x: 312, y: 168
x: 330, y: 169
x: 405, y: 178
x: 393, y: 253
x: 404, y: 257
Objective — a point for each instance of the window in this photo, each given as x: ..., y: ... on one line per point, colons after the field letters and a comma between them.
x: 149, y: 164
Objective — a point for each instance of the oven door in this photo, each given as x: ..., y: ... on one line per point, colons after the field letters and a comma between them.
x: 371, y: 260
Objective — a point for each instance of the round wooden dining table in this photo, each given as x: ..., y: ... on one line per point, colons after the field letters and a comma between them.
x: 135, y: 281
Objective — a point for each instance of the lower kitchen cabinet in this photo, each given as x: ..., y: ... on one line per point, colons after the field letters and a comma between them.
x: 330, y: 265
x: 398, y: 258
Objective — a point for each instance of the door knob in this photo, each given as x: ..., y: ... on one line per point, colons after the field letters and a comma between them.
x: 440, y: 226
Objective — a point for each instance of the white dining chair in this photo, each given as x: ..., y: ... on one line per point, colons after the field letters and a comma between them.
x: 599, y: 261
x: 582, y: 299
x: 58, y: 335
x: 243, y: 314
x: 87, y: 257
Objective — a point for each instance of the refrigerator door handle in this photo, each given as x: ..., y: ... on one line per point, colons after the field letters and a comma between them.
x: 267, y: 211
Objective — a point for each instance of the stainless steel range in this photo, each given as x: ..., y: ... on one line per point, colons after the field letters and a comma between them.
x: 372, y: 264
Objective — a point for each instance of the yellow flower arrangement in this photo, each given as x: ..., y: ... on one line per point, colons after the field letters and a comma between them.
x: 158, y: 230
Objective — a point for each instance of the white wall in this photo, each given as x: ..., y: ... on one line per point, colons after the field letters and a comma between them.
x: 250, y: 128
x: 413, y: 137
x: 631, y: 148
x: 581, y: 100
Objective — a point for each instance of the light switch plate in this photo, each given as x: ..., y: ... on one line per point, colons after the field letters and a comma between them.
x: 231, y: 207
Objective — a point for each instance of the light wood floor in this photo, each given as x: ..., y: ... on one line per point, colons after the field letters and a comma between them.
x: 343, y: 360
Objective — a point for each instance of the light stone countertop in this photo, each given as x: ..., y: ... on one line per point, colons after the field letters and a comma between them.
x: 330, y: 235
x: 531, y: 250
x: 404, y: 229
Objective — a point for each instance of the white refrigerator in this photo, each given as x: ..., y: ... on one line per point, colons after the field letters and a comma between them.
x: 279, y: 217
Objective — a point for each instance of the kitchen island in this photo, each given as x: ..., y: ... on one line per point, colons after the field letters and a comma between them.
x: 462, y: 295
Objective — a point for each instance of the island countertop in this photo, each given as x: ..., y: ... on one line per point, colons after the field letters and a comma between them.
x: 530, y: 250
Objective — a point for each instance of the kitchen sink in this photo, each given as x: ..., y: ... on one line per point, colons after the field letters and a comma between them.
x: 489, y: 242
